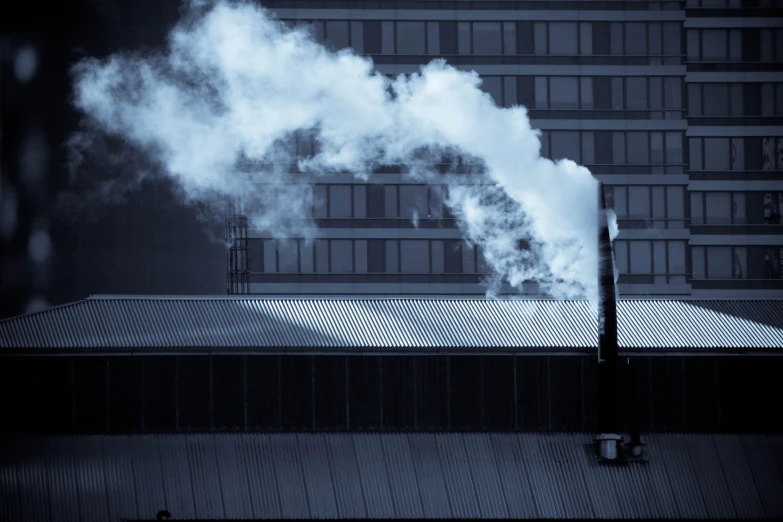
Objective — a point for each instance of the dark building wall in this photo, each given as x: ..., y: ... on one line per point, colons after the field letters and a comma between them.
x: 196, y: 393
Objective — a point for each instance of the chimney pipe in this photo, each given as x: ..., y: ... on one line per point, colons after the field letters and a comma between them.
x: 610, y: 391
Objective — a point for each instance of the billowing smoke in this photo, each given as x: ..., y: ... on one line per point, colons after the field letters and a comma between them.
x: 219, y: 108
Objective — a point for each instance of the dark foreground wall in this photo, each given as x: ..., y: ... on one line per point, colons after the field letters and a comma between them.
x: 194, y: 393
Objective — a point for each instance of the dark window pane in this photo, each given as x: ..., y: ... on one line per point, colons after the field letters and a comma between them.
x: 565, y: 144
x: 719, y: 262
x: 372, y: 37
x: 341, y: 256
x: 437, y: 256
x: 337, y: 34
x: 562, y: 38
x: 357, y: 36
x: 618, y: 148
x: 601, y: 38
x: 510, y: 38
x: 376, y: 255
x: 463, y: 38
x: 636, y: 39
x: 376, y: 201
x: 392, y: 256
x: 564, y: 92
x: 526, y: 94
x: 694, y: 99
x: 415, y: 256
x: 636, y: 92
x: 486, y: 38
x: 433, y: 38
x: 339, y: 201
x: 638, y: 202
x: 718, y: 206
x: 288, y: 256
x: 641, y: 257
x: 492, y: 86
x: 413, y: 201
x: 321, y: 256
x: 674, y: 148
x: 410, y: 38
x: 714, y: 45
x: 525, y: 43
x: 453, y: 256
x: 672, y: 92
x: 387, y: 37
x: 716, y: 154
x: 751, y: 100
x: 360, y: 255
x: 638, y: 148
x: 603, y: 147
x: 448, y: 38
x: 602, y: 92
x: 672, y: 40
x: 509, y: 91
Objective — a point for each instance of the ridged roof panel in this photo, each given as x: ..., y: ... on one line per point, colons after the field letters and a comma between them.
x: 430, y: 325
x: 391, y: 476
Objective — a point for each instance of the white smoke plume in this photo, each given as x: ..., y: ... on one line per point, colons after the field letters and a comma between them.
x: 217, y: 107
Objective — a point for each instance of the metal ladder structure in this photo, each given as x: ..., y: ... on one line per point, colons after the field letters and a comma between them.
x: 238, y: 258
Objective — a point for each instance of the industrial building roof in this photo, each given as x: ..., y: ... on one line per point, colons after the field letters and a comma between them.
x: 257, y: 476
x: 430, y: 325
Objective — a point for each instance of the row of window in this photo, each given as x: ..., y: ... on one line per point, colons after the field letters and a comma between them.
x: 735, y: 99
x: 379, y: 201
x: 642, y: 261
x: 736, y: 262
x: 652, y: 42
x: 630, y: 152
x: 631, y: 93
x: 607, y: 152
x: 345, y: 256
x: 735, y: 45
x: 734, y: 4
x: 637, y: 206
x: 736, y: 208
x: 495, y: 5
x: 642, y: 206
x: 751, y: 153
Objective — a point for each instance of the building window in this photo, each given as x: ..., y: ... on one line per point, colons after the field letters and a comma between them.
x: 414, y: 256
x: 410, y: 38
x: 487, y: 38
x: 718, y: 208
x: 563, y: 38
x: 773, y: 256
x: 719, y: 262
x: 773, y: 208
x: 563, y: 92
x: 648, y: 262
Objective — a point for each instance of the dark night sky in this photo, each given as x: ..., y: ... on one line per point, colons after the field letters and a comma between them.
x: 147, y: 243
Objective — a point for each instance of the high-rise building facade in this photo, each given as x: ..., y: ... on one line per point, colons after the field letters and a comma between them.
x: 676, y: 106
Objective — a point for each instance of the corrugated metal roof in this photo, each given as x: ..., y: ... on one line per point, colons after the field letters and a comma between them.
x: 387, y: 476
x: 401, y: 325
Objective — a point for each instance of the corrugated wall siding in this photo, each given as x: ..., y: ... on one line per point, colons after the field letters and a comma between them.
x: 137, y: 394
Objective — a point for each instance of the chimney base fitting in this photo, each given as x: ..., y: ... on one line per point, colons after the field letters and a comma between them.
x: 609, y: 444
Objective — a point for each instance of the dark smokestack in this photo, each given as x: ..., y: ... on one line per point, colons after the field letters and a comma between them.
x: 610, y: 392
x: 607, y: 300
